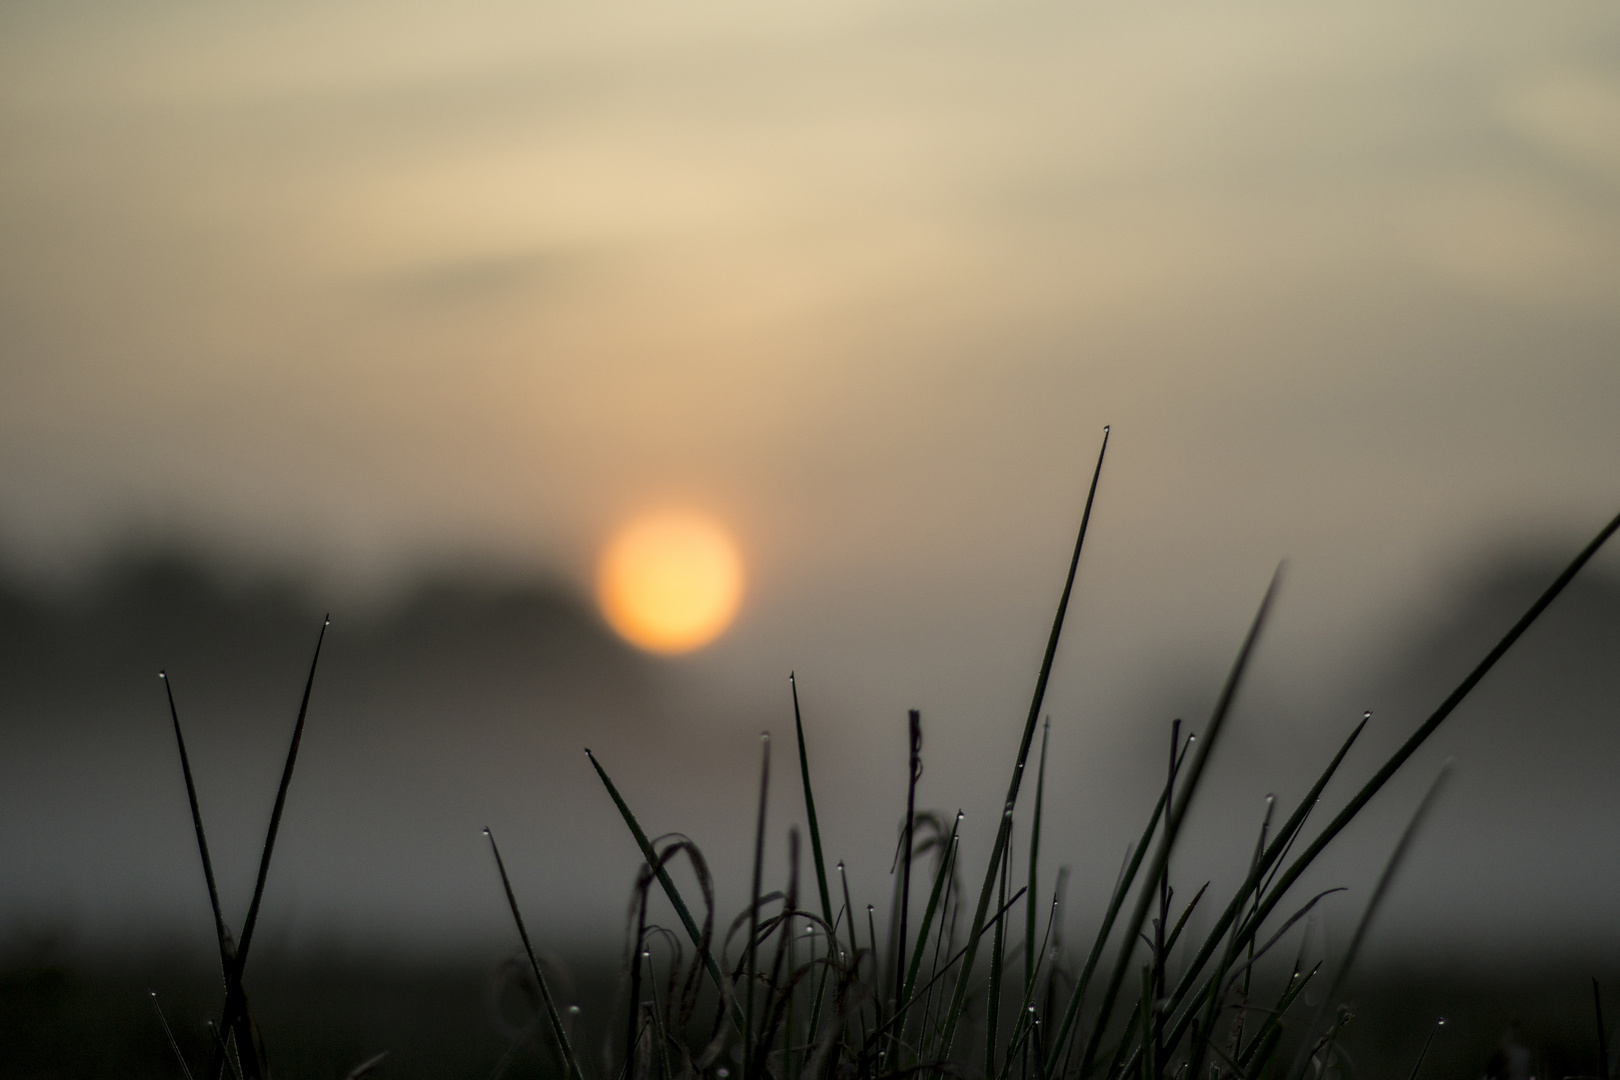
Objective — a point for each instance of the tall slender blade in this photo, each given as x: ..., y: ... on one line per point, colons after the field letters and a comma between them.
x: 1279, y: 846
x: 670, y: 890
x: 164, y: 1020
x: 913, y: 771
x: 1173, y: 819
x: 810, y: 809
x: 558, y: 1032
x: 227, y: 950
x: 1127, y: 875
x: 750, y: 959
x: 940, y: 877
x: 252, y: 919
x: 234, y: 1018
x: 992, y: 1004
x: 1034, y: 862
x: 959, y: 996
x: 1428, y: 727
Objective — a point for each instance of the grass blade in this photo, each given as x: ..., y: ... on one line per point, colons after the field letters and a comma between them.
x: 234, y: 1016
x: 1127, y: 874
x: 676, y: 901
x: 913, y: 773
x: 810, y: 809
x: 164, y: 1020
x: 1279, y: 846
x: 1418, y: 1064
x: 1445, y: 709
x: 227, y: 948
x: 940, y: 877
x: 959, y: 996
x: 1034, y: 856
x: 1173, y: 819
x: 992, y: 1005
x: 750, y: 957
x: 557, y: 1031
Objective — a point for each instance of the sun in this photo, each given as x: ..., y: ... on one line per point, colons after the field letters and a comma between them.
x: 670, y: 582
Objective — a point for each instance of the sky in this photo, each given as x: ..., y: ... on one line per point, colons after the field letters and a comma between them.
x: 369, y: 289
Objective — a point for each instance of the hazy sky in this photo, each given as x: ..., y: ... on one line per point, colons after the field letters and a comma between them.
x: 369, y: 286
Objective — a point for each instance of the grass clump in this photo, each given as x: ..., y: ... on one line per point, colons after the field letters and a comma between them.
x: 834, y: 1005
x: 800, y: 986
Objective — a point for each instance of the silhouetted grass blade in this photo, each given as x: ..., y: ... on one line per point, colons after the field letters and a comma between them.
x: 810, y: 808
x: 234, y: 1017
x: 227, y: 949
x: 681, y: 910
x: 959, y: 996
x: 940, y: 877
x: 1034, y: 863
x: 1279, y: 845
x: 557, y: 1031
x: 749, y: 962
x: 1421, y: 735
x: 1176, y: 814
x: 168, y: 1034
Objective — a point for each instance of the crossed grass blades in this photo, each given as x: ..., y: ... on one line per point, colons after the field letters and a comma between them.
x: 811, y: 992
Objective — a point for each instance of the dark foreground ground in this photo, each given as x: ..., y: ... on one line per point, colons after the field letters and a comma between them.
x: 460, y: 1019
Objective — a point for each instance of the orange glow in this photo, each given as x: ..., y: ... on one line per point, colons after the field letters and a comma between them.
x: 670, y: 582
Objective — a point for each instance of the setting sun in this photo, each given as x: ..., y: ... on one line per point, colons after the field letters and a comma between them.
x: 670, y: 582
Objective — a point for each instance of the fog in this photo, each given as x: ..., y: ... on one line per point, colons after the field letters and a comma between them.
x: 397, y: 311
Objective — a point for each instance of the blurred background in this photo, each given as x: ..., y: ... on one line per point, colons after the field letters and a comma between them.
x: 403, y: 313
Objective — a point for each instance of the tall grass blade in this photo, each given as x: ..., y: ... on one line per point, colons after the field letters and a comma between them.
x: 1034, y: 857
x: 1127, y: 874
x: 234, y: 1017
x: 1418, y: 1064
x: 1280, y: 845
x: 557, y: 1031
x: 1177, y: 813
x: 227, y: 949
x: 668, y: 884
x: 913, y: 773
x: 959, y: 996
x: 164, y: 1020
x: 992, y: 1004
x: 810, y: 809
x: 940, y: 877
x: 1428, y: 727
x: 750, y: 957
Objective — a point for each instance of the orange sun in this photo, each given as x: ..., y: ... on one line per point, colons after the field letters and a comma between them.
x: 670, y: 582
